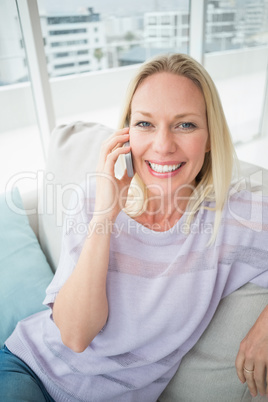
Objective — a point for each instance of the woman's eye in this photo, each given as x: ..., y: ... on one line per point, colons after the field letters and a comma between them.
x: 143, y: 124
x: 187, y: 126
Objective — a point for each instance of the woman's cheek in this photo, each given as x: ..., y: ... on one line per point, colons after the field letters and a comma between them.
x: 137, y: 150
x: 135, y: 143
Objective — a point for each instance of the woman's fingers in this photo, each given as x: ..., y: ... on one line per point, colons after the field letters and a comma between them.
x: 252, y: 358
x: 117, y: 138
x: 246, y: 371
x: 111, y: 192
x: 112, y: 157
x: 111, y: 144
x: 260, y: 377
x: 239, y: 363
x: 249, y: 375
x: 255, y: 377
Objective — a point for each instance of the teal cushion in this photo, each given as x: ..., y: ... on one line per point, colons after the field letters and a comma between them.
x: 24, y: 270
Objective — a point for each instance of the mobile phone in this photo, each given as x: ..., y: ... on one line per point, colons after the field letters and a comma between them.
x: 129, y: 163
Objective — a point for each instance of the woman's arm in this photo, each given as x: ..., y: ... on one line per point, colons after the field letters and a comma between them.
x: 81, y: 307
x: 252, y: 359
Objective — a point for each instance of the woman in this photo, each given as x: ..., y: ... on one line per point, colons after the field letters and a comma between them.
x: 132, y: 296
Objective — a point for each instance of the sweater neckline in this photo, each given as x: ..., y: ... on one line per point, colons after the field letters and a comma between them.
x: 147, y: 235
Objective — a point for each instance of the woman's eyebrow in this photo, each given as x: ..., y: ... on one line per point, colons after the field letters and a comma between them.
x: 177, y: 116
x: 143, y: 113
x: 183, y: 115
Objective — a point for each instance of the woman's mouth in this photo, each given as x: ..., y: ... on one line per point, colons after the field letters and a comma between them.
x: 164, y: 170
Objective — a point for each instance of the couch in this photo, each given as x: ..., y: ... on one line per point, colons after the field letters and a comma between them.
x: 31, y: 228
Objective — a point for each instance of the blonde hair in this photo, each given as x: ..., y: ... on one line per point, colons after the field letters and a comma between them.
x: 214, y: 179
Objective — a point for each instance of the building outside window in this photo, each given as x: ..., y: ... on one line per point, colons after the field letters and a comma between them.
x: 74, y: 35
x: 236, y: 55
x: 123, y: 34
x: 169, y: 30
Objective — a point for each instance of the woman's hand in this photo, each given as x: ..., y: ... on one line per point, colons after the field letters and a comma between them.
x: 111, y: 193
x: 252, y: 359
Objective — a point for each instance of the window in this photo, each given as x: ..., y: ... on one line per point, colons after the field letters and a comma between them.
x: 13, y: 68
x: 61, y: 55
x: 185, y: 19
x: 67, y: 32
x: 20, y: 145
x: 152, y: 20
x: 152, y: 32
x: 166, y: 33
x: 69, y: 43
x: 165, y: 19
x: 236, y: 55
x: 73, y: 19
x: 82, y: 52
x: 122, y: 30
x: 67, y: 65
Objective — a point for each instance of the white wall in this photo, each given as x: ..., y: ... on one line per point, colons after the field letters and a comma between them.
x: 72, y: 95
x: 90, y: 91
x: 222, y: 65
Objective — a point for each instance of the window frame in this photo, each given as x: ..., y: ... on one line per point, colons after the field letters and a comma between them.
x: 30, y: 23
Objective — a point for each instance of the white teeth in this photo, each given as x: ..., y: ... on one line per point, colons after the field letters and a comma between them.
x: 163, y: 168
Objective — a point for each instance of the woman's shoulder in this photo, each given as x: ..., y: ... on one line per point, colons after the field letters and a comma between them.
x: 245, y: 216
x: 248, y: 199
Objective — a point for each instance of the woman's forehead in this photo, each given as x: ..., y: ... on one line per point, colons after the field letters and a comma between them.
x: 168, y: 90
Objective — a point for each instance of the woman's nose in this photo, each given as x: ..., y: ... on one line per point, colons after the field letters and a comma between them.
x: 164, y: 142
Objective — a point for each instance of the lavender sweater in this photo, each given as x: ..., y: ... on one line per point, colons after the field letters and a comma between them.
x: 163, y: 289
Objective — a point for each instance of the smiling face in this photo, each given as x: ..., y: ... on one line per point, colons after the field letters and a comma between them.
x: 168, y: 133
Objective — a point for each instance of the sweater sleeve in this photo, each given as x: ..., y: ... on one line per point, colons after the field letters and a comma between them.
x: 244, y: 240
x: 75, y: 230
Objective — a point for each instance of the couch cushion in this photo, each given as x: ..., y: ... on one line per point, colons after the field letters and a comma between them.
x: 207, y: 373
x: 24, y: 270
x: 73, y: 153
